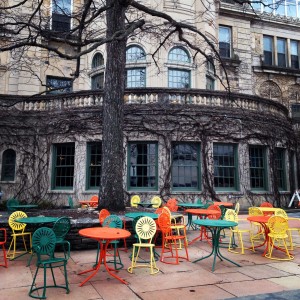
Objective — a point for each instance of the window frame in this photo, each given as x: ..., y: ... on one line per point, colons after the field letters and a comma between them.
x: 61, y: 16
x: 292, y: 55
x: 186, y: 166
x: 6, y: 165
x: 234, y: 167
x: 54, y: 185
x: 89, y: 156
x: 228, y: 50
x: 129, y: 167
x: 142, y: 83
x: 267, y: 52
x: 281, y: 170
x: 264, y: 169
x: 284, y: 54
x: 57, y: 90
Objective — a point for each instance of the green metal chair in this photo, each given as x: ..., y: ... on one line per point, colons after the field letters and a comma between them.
x: 43, y: 243
x: 61, y: 228
x: 113, y: 221
x: 10, y: 203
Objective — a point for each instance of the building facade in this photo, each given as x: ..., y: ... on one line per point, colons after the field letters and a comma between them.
x: 186, y: 135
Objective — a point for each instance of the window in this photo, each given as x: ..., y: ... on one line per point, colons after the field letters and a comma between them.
x: 135, y: 76
x: 225, y: 167
x: 61, y: 15
x: 142, y: 166
x: 58, y: 85
x: 210, y: 71
x: 286, y: 8
x: 280, y: 165
x: 281, y: 52
x: 295, y: 54
x: 98, y: 81
x: 210, y: 83
x: 186, y: 166
x: 97, y: 61
x: 63, y: 166
x: 8, y: 165
x: 258, y: 171
x: 94, y: 161
x: 225, y: 41
x: 179, y: 77
x: 268, y: 50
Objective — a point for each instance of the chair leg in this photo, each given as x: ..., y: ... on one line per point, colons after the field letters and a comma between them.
x: 4, y: 257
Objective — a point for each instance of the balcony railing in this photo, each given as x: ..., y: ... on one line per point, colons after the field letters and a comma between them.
x: 144, y: 96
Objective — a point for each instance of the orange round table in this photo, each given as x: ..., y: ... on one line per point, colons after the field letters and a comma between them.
x: 225, y: 204
x: 103, y: 235
x: 201, y: 213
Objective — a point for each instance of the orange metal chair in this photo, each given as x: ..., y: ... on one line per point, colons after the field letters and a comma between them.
x: 172, y: 204
x: 2, y: 243
x: 266, y: 204
x: 104, y: 213
x: 170, y: 241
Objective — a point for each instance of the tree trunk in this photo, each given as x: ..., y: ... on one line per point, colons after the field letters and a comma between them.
x: 111, y: 190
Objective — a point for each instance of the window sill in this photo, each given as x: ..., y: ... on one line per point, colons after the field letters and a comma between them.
x: 231, y: 62
x: 276, y: 70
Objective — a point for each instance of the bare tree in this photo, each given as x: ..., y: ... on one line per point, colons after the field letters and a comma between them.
x: 30, y: 39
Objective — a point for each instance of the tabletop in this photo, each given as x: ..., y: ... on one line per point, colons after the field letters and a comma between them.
x: 190, y: 205
x: 226, y: 204
x: 24, y: 206
x: 259, y: 219
x: 133, y: 215
x: 215, y: 223
x: 104, y: 233
x: 200, y: 211
x: 37, y: 220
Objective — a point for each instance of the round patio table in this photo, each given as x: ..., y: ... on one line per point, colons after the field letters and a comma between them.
x: 225, y: 204
x: 103, y: 235
x: 189, y: 215
x: 215, y: 227
x: 202, y: 213
x: 134, y: 215
x: 37, y: 220
x: 23, y: 206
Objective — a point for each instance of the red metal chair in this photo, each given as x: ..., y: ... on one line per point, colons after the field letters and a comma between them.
x: 2, y: 243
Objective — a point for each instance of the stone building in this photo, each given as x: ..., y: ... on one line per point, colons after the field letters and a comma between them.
x: 186, y: 134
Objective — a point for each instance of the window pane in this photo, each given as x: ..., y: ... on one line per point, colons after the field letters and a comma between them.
x: 225, y: 41
x: 136, y: 77
x: 294, y: 55
x: 61, y: 11
x: 135, y: 53
x: 94, y: 163
x: 97, y: 61
x: 257, y: 168
x: 268, y: 50
x: 98, y: 81
x: 179, y: 78
x: 280, y: 164
x: 185, y: 166
x: 8, y: 165
x: 291, y: 8
x: 63, y: 169
x: 58, y: 85
x: 281, y: 52
x: 142, y: 165
x: 179, y: 55
x: 225, y: 169
x: 210, y: 83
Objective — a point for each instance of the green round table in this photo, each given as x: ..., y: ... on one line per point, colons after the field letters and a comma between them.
x: 134, y: 215
x: 37, y: 220
x: 215, y: 227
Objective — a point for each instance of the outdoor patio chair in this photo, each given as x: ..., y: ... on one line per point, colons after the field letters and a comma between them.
x: 10, y: 203
x: 156, y: 202
x: 171, y: 242
x: 266, y: 204
x: 172, y: 204
x: 255, y: 211
x: 103, y: 214
x: 61, y: 228
x: 135, y: 200
x: 278, y: 227
x: 18, y: 230
x: 43, y: 243
x: 145, y: 229
x: 2, y: 244
x: 291, y: 229
x: 231, y: 215
x: 237, y: 208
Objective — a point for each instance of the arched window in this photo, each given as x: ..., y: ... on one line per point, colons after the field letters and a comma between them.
x: 135, y: 53
x: 97, y: 61
x: 8, y: 165
x: 135, y: 75
x: 179, y: 77
x: 98, y: 78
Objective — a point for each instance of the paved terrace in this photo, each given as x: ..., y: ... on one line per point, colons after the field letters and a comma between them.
x: 265, y: 278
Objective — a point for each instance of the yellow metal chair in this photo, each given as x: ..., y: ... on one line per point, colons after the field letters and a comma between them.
x: 282, y: 213
x: 255, y: 211
x: 18, y: 230
x: 156, y: 202
x: 231, y: 215
x: 145, y: 229
x: 278, y: 227
x: 135, y: 200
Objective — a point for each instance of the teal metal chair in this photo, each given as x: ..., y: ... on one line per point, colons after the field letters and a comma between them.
x: 10, y: 203
x: 61, y: 228
x: 113, y: 221
x: 43, y: 244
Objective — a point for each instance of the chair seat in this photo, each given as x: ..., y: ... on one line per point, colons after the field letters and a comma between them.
x: 145, y: 245
x: 279, y: 236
